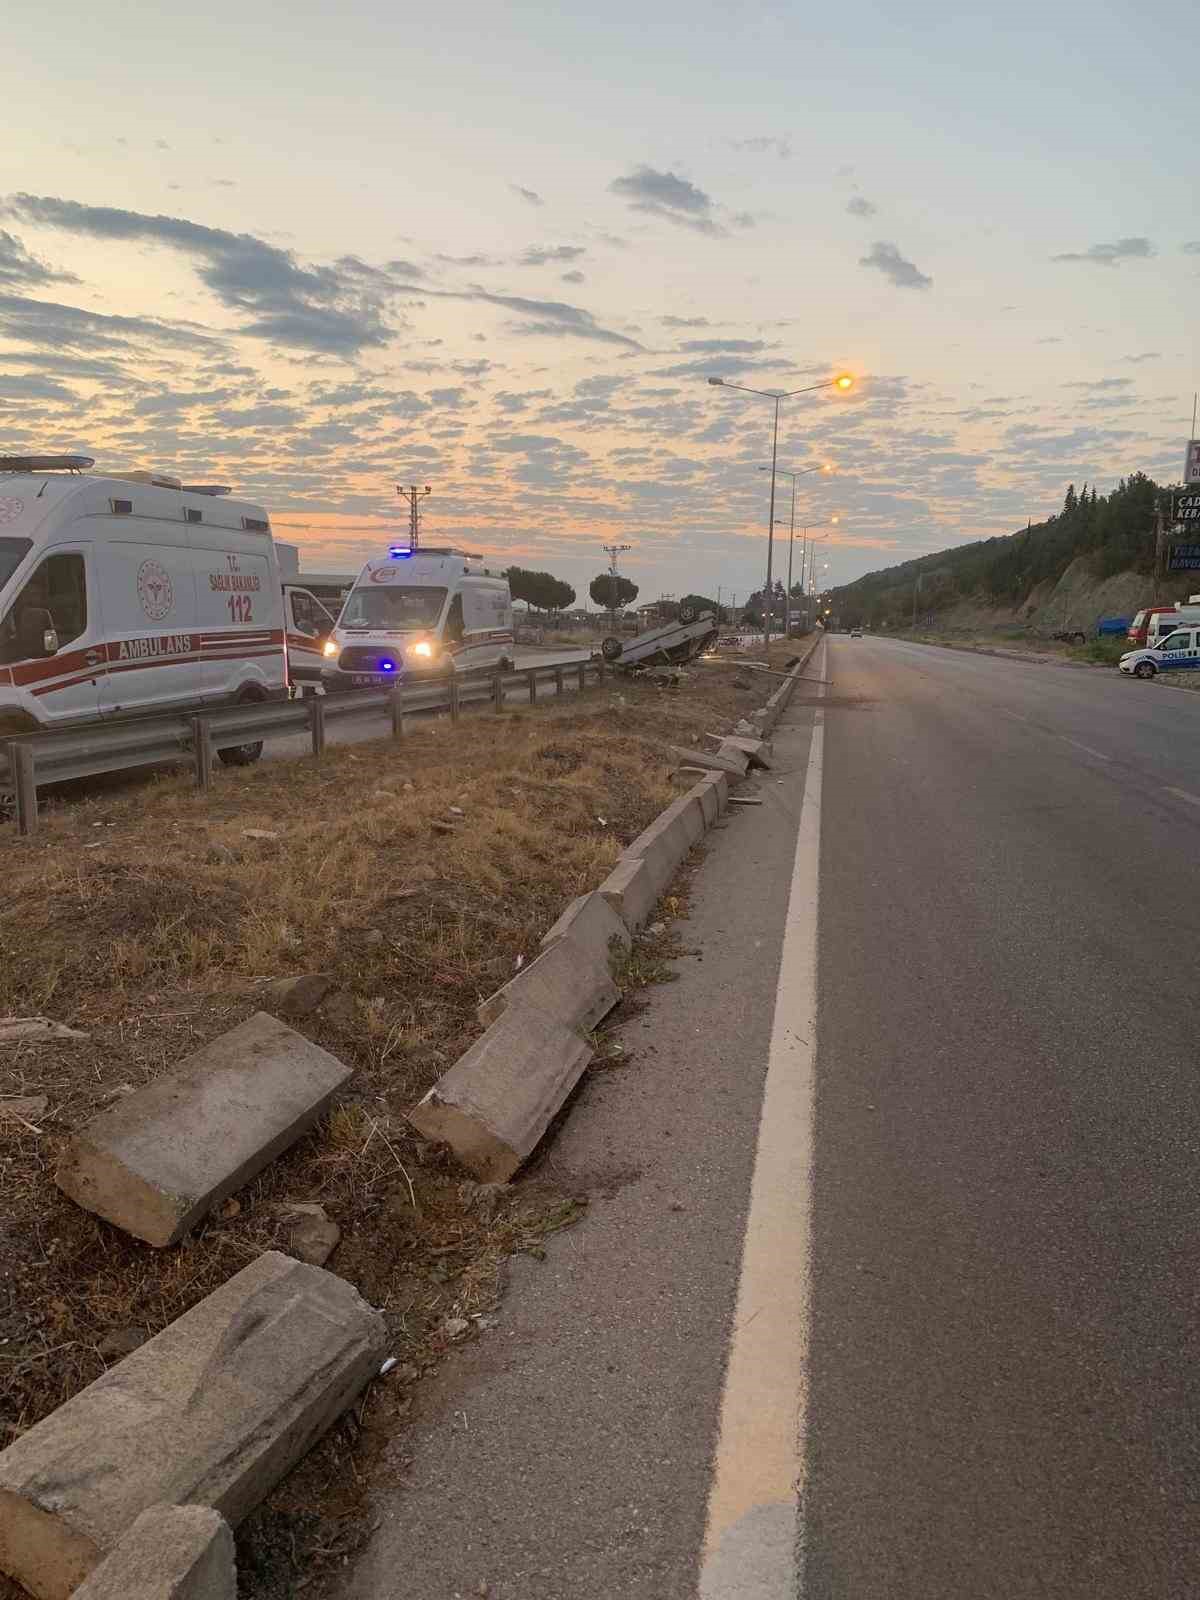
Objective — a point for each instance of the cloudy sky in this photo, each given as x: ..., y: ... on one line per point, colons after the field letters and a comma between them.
x: 312, y: 251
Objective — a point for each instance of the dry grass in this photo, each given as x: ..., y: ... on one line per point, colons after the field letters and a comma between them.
x: 148, y: 919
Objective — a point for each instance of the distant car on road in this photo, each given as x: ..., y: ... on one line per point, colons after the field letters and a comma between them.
x: 1178, y: 652
x: 856, y: 633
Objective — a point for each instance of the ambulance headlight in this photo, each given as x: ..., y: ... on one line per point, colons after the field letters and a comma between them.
x: 423, y: 648
x: 331, y: 648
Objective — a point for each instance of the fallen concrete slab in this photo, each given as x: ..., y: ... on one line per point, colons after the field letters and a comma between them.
x: 498, y: 1099
x: 572, y: 978
x: 211, y: 1412
x: 756, y: 751
x: 157, y: 1162
x: 169, y: 1553
x: 733, y: 762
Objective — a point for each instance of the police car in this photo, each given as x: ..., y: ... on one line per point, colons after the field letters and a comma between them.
x: 1178, y: 652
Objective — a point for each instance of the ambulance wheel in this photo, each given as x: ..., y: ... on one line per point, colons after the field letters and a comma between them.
x: 688, y: 614
x: 1145, y: 669
x: 244, y: 755
x: 611, y: 648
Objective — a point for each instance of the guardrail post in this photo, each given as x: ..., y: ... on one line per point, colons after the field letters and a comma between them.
x: 498, y: 690
x: 316, y: 721
x: 202, y: 752
x: 599, y: 665
x: 559, y: 685
x: 454, y: 707
x: 531, y: 680
x: 398, y: 728
x: 582, y: 676
x: 24, y: 770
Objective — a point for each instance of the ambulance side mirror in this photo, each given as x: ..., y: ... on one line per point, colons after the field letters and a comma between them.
x: 37, y: 634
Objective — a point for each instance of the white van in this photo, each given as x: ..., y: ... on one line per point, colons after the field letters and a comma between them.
x: 1163, y: 623
x: 415, y: 611
x: 134, y: 594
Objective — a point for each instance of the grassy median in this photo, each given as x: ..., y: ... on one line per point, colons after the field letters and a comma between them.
x: 417, y: 875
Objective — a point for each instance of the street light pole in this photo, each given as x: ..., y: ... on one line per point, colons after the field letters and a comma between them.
x: 822, y: 466
x: 843, y: 381
x: 787, y: 599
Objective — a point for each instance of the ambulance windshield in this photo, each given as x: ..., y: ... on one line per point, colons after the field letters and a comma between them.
x: 399, y: 606
x: 12, y: 553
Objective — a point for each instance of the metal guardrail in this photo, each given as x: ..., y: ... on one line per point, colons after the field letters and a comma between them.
x: 32, y: 760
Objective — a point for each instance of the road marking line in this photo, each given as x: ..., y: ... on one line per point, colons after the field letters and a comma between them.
x: 751, y: 1545
x: 1192, y: 799
x: 1099, y: 754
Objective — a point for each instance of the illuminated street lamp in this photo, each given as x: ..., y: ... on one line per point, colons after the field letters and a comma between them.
x: 842, y: 382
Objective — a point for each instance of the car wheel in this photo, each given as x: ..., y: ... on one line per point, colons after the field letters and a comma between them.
x: 1145, y: 669
x: 244, y: 755
x: 611, y: 648
x: 688, y: 614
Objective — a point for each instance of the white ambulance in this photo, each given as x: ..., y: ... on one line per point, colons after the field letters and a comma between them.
x: 130, y: 595
x: 420, y: 611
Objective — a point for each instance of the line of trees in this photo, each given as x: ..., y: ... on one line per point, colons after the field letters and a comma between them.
x: 1113, y: 533
x: 540, y: 590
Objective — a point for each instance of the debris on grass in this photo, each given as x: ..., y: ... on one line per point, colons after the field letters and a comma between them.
x: 381, y: 938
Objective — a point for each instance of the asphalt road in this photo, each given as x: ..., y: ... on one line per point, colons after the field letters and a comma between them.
x: 1004, y: 1383
x: 1001, y: 1387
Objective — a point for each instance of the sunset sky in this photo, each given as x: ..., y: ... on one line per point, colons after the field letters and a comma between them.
x: 314, y: 251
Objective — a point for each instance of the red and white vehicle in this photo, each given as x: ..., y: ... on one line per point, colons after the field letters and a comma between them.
x: 131, y: 595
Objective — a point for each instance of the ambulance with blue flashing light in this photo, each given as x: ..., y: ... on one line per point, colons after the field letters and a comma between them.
x: 416, y: 612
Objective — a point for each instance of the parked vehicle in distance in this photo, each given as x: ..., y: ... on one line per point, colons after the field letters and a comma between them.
x: 1154, y: 623
x: 1070, y: 636
x: 419, y: 611
x: 1178, y: 652
x: 1113, y: 627
x: 131, y: 593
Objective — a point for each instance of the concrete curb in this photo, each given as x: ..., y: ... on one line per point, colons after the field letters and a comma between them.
x: 495, y: 1103
x: 169, y: 1553
x: 572, y: 978
x: 213, y: 1411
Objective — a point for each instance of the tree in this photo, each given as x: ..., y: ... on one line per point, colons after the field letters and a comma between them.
x: 541, y: 590
x: 605, y: 591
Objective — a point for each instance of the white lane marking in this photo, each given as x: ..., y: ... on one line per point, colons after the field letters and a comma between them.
x: 1086, y: 748
x: 752, y: 1534
x: 1192, y: 799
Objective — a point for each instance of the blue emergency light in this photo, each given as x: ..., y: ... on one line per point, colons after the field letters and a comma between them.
x: 399, y: 553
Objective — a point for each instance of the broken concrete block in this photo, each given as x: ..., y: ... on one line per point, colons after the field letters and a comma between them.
x: 160, y: 1159
x: 314, y: 1238
x: 571, y: 980
x: 296, y: 997
x: 756, y: 751
x: 498, y: 1099
x: 169, y: 1553
x: 213, y: 1411
x: 732, y: 761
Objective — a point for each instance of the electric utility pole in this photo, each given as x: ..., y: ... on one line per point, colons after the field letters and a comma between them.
x: 612, y: 551
x: 413, y: 497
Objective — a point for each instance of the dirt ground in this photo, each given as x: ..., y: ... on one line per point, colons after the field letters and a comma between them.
x: 152, y: 918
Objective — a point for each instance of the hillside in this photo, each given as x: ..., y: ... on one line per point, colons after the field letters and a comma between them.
x: 1094, y: 558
